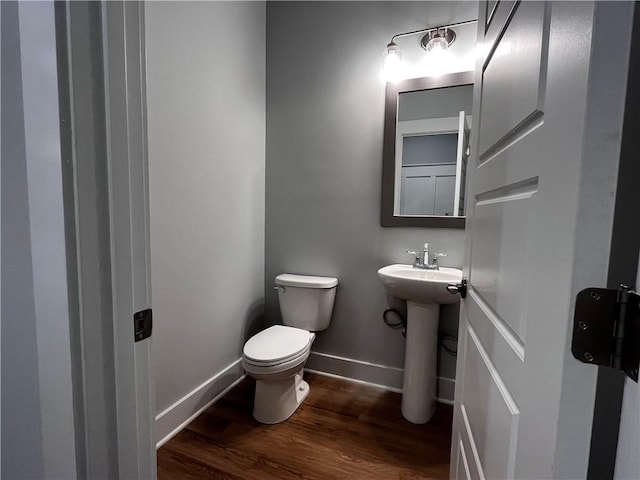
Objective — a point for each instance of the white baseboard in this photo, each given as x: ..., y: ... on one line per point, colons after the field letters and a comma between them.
x: 352, y: 380
x: 372, y: 374
x: 173, y: 419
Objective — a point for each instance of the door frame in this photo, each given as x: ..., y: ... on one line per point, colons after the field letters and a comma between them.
x: 102, y: 102
x: 623, y: 267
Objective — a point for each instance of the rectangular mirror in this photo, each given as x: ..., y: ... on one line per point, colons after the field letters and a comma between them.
x: 426, y: 139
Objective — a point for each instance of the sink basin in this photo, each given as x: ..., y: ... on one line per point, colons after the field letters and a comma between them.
x: 420, y: 286
x: 424, y: 291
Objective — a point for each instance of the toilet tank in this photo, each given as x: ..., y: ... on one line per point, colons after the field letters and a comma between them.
x: 306, y: 301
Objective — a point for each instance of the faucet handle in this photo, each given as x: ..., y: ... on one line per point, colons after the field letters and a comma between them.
x: 434, y: 263
x: 417, y: 254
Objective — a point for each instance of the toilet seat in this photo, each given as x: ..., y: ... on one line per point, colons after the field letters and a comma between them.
x: 276, y: 345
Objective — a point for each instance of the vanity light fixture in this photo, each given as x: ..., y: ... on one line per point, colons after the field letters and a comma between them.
x: 435, y: 41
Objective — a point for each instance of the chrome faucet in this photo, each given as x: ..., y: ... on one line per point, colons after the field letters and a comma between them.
x: 423, y: 261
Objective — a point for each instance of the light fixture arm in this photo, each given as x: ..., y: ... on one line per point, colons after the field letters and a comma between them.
x: 431, y: 29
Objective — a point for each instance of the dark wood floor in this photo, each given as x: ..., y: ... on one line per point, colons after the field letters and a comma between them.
x: 342, y: 431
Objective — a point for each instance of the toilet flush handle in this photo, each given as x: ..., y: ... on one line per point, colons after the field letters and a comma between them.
x: 280, y: 288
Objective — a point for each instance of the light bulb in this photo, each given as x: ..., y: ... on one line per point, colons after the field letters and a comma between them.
x: 437, y: 43
x: 393, y: 67
x: 438, y: 59
x: 437, y: 62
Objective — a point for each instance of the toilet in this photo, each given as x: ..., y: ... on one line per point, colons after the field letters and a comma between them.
x: 275, y: 357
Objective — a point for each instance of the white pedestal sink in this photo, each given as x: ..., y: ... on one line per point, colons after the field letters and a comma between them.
x: 425, y: 291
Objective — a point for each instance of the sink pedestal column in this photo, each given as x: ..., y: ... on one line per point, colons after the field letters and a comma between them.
x: 419, y: 388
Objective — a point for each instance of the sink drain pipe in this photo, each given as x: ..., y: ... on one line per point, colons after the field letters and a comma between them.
x: 394, y: 319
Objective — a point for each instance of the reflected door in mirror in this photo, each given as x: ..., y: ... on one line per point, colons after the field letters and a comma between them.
x: 428, y: 174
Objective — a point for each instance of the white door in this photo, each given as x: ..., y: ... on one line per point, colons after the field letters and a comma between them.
x: 542, y: 172
x: 461, y: 164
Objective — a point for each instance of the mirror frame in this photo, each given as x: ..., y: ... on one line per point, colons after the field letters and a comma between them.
x: 387, y: 218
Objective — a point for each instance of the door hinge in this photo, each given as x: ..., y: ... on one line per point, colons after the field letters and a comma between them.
x: 606, y: 329
x: 142, y: 324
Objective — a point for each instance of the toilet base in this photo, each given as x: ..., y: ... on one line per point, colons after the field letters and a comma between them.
x: 274, y: 402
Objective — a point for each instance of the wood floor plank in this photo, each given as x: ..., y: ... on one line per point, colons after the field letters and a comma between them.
x: 172, y: 465
x: 343, y: 430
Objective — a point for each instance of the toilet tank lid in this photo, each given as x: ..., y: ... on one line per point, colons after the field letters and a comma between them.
x: 305, y: 281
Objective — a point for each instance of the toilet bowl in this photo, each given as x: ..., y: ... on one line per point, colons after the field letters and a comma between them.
x: 275, y: 357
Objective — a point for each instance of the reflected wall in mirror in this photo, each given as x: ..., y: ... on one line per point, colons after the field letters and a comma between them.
x: 427, y: 127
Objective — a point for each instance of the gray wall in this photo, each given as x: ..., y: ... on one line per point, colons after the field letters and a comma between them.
x: 38, y: 437
x: 443, y: 102
x: 325, y: 105
x: 206, y: 115
x: 425, y: 149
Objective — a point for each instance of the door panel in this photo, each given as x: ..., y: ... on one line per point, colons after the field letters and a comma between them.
x: 418, y: 195
x: 499, y: 254
x: 512, y: 92
x: 469, y: 444
x: 462, y: 464
x: 427, y: 189
x: 512, y: 168
x: 444, y: 200
x: 463, y: 447
x: 503, y: 348
x: 491, y: 411
x: 496, y: 15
